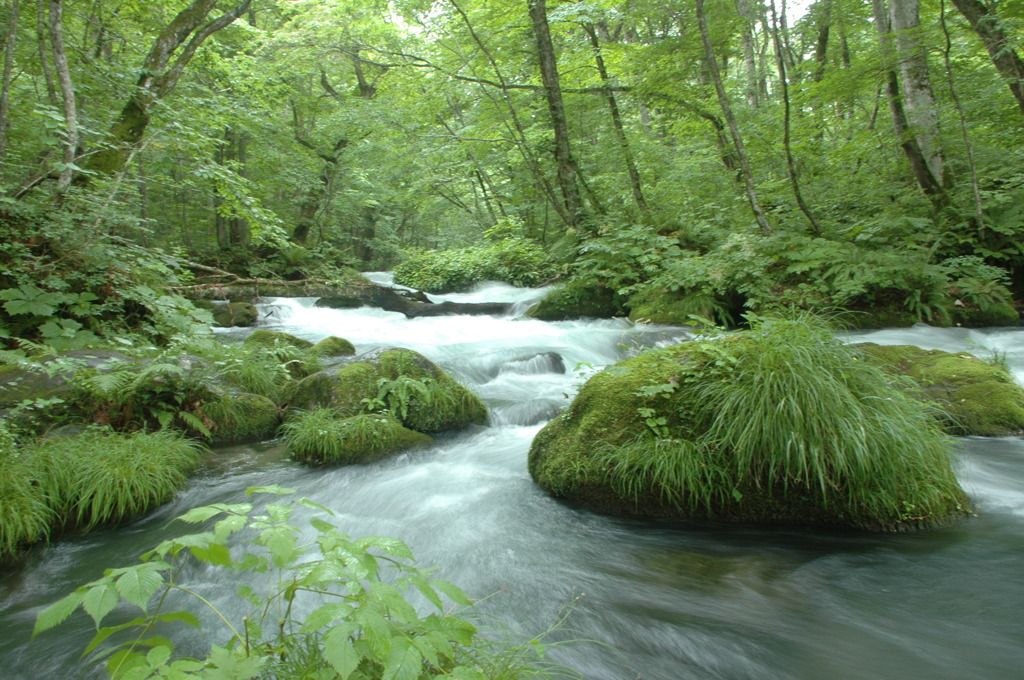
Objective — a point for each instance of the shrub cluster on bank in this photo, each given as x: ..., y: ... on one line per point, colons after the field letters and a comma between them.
x: 516, y: 261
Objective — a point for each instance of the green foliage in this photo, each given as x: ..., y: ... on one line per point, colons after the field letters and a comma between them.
x: 323, y: 436
x: 515, y: 260
x: 25, y: 511
x: 779, y: 422
x: 361, y: 623
x: 101, y: 477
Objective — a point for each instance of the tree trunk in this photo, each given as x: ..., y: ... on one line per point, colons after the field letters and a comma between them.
x: 987, y: 25
x: 5, y: 91
x: 918, y: 162
x: 159, y: 77
x: 620, y: 130
x: 824, y: 20
x: 67, y: 90
x: 44, y: 51
x: 786, y: 142
x: 566, y: 166
x: 918, y: 100
x: 734, y: 131
x: 751, y: 88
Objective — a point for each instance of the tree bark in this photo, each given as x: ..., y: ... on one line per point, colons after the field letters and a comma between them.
x: 786, y: 131
x: 750, y: 74
x: 616, y: 115
x: 824, y: 21
x: 67, y: 90
x: 5, y: 91
x: 158, y: 78
x: 987, y: 25
x: 730, y: 119
x: 565, y: 164
x: 918, y: 163
x: 918, y: 100
x: 42, y: 44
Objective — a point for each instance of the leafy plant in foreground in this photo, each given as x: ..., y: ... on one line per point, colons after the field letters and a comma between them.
x: 360, y: 622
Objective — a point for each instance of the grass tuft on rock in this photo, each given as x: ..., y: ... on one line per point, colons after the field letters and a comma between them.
x: 322, y: 436
x: 779, y: 423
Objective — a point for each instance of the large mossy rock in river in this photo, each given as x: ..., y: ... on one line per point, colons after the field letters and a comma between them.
x: 575, y: 301
x: 322, y: 437
x: 781, y: 423
x: 272, y: 338
x: 413, y: 388
x: 979, y: 398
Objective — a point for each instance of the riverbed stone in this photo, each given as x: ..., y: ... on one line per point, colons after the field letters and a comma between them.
x: 272, y: 338
x: 332, y: 346
x: 363, y: 382
x: 977, y: 397
x: 598, y: 453
x: 235, y: 314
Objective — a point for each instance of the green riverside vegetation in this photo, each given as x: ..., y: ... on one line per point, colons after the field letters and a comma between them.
x: 778, y: 423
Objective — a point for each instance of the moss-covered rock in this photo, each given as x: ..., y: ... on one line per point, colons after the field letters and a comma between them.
x: 235, y: 314
x: 652, y: 305
x: 574, y: 301
x: 241, y: 418
x: 321, y: 436
x: 751, y: 428
x: 999, y: 314
x: 333, y: 347
x: 432, y: 402
x: 272, y: 338
x: 978, y: 398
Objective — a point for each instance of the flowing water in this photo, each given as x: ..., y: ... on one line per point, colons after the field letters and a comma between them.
x: 654, y: 599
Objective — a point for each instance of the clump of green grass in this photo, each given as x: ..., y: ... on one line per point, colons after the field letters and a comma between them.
x: 25, y: 513
x: 321, y: 436
x: 101, y: 477
x: 785, y: 419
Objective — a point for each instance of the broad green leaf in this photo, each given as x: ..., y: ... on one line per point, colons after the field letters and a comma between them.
x: 325, y: 615
x: 466, y: 673
x: 428, y: 592
x: 392, y: 546
x: 139, y: 583
x: 59, y: 611
x: 200, y: 514
x: 339, y: 650
x: 404, y: 662
x: 456, y: 629
x: 100, y: 601
x: 227, y: 665
x: 271, y: 488
x: 457, y: 595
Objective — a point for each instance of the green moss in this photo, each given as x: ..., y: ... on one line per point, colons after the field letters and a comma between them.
x: 349, y: 387
x: 977, y: 397
x: 333, y: 347
x: 574, y: 301
x: 321, y: 436
x: 999, y: 314
x: 777, y: 424
x: 235, y: 314
x: 242, y: 418
x: 272, y: 338
x: 654, y: 305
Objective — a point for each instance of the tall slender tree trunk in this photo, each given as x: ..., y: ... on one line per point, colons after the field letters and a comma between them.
x: 616, y: 115
x: 565, y: 164
x: 158, y: 78
x: 918, y: 100
x: 786, y: 126
x: 908, y: 141
x: 730, y: 120
x: 43, y: 46
x: 10, y: 40
x: 824, y: 21
x: 750, y: 74
x: 987, y: 24
x: 67, y: 90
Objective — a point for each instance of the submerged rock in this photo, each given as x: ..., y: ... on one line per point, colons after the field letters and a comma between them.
x: 421, y: 395
x: 781, y: 424
x: 235, y: 314
x: 977, y: 397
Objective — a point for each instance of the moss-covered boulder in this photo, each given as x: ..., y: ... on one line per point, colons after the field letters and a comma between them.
x: 410, y: 386
x: 332, y: 346
x: 272, y: 338
x: 675, y: 308
x: 977, y: 397
x: 235, y: 314
x: 240, y: 418
x: 575, y: 301
x: 322, y: 436
x: 777, y: 424
x: 999, y: 314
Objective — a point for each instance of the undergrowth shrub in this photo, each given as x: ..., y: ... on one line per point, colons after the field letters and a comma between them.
x: 361, y: 622
x: 322, y: 436
x: 102, y: 477
x: 516, y: 261
x: 26, y: 514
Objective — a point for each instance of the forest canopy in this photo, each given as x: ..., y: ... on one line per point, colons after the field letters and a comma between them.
x: 707, y: 157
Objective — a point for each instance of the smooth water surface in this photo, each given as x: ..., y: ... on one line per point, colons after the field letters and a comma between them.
x: 657, y: 600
